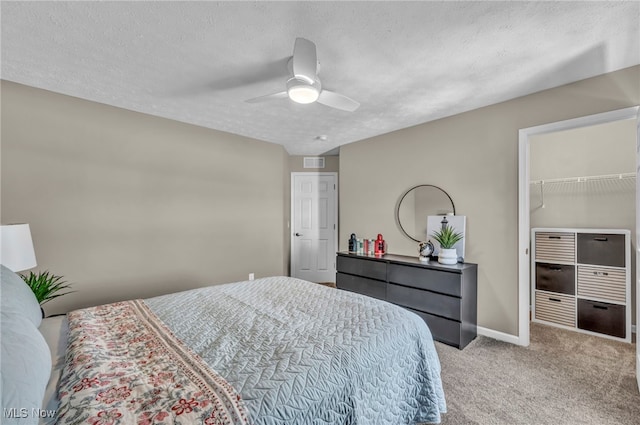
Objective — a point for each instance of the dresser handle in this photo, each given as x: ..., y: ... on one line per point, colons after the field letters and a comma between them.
x: 557, y: 300
x: 601, y: 239
x: 555, y: 237
x: 601, y: 273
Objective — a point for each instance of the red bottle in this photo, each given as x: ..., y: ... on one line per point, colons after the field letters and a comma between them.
x: 379, y: 245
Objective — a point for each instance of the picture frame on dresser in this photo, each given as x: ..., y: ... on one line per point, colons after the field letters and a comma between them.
x: 581, y: 280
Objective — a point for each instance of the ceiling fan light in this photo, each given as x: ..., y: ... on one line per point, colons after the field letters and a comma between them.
x: 303, y: 93
x: 300, y: 91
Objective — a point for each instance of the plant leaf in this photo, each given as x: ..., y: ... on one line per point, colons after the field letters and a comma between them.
x: 447, y: 237
x: 46, y: 286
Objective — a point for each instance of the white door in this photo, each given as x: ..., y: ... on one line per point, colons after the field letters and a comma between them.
x: 313, y: 230
x: 637, y: 248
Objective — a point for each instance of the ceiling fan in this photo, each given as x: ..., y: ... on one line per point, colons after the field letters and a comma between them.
x: 304, y: 86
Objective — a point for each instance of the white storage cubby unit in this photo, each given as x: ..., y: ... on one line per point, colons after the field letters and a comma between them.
x: 581, y: 280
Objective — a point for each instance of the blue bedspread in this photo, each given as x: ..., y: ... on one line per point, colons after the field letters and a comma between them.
x: 301, y: 353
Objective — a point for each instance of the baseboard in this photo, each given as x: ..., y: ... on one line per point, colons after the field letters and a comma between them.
x: 511, y: 339
x: 500, y: 336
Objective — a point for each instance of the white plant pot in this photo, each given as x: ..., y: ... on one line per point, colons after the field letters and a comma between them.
x: 447, y: 256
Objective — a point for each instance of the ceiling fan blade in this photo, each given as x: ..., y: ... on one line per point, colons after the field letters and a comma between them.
x: 338, y: 101
x: 305, y: 60
x: 272, y: 96
x: 234, y: 78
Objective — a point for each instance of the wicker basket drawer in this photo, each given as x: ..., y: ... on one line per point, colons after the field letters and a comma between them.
x: 556, y: 308
x: 602, y: 283
x: 556, y: 247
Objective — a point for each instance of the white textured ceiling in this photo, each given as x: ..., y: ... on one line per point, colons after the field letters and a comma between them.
x: 405, y: 62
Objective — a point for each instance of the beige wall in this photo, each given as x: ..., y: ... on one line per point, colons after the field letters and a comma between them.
x: 128, y: 205
x: 474, y: 157
x: 286, y: 219
x: 603, y: 149
x: 591, y: 151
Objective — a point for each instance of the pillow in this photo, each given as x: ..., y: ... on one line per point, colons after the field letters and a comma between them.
x: 25, y: 366
x: 55, y: 331
x: 17, y: 299
x: 25, y: 361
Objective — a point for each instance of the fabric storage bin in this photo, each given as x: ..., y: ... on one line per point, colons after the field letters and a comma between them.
x: 603, y: 249
x: 602, y: 317
x: 555, y: 247
x: 556, y: 308
x: 602, y: 283
x: 556, y: 278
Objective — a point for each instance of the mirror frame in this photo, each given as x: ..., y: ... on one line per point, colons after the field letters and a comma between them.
x: 405, y: 194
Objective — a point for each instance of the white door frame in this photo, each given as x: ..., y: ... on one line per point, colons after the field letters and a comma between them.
x: 524, y: 233
x: 291, y: 232
x: 637, y: 277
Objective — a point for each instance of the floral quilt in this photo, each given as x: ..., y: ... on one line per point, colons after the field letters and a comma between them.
x: 124, y: 366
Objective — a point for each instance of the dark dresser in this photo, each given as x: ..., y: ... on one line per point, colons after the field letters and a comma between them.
x: 444, y: 296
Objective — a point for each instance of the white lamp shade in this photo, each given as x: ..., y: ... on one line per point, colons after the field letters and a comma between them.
x: 16, y: 251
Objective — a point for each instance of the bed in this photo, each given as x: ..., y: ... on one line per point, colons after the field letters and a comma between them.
x: 275, y: 350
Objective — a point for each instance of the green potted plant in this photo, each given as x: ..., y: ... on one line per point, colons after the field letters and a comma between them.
x: 46, y: 286
x: 447, y: 237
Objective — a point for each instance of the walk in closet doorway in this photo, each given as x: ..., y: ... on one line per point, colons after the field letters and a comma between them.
x: 573, y: 175
x: 582, y: 208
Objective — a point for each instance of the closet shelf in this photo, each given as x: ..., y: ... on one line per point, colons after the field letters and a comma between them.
x: 583, y: 179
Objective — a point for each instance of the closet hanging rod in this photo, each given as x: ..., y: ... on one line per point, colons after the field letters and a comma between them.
x: 620, y: 176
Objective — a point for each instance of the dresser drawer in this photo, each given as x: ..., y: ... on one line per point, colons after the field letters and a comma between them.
x: 556, y: 308
x: 601, y: 317
x: 432, y: 280
x: 362, y: 267
x: 443, y: 330
x: 555, y: 247
x: 361, y: 285
x: 602, y: 283
x: 425, y: 301
x: 604, y: 249
x: 556, y: 278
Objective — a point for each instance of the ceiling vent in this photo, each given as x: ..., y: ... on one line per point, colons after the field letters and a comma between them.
x: 313, y: 162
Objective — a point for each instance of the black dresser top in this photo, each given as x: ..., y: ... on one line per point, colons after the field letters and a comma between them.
x: 412, y: 261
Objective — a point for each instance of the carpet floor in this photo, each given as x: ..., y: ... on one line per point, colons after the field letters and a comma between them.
x: 563, y: 377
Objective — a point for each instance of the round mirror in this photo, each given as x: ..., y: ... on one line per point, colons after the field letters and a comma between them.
x: 416, y: 204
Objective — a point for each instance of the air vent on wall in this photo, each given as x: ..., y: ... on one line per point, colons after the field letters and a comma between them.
x: 313, y: 162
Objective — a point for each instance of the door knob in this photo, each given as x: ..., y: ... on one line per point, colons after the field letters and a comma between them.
x: 298, y: 234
